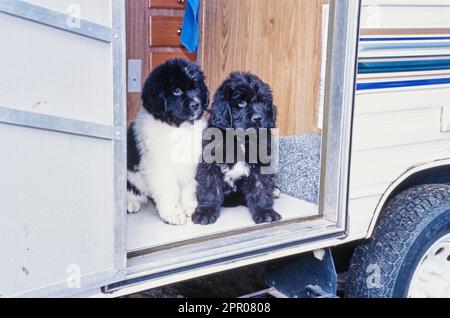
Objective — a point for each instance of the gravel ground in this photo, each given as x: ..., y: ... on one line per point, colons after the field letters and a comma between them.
x: 230, y: 284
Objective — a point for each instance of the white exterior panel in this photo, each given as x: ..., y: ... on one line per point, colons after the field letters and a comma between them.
x: 405, y: 14
x: 52, y: 72
x: 393, y: 132
x: 96, y: 11
x: 397, y: 129
x: 63, y: 165
x: 57, y: 211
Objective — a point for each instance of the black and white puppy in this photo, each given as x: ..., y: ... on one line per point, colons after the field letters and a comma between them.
x: 165, y: 141
x: 242, y: 101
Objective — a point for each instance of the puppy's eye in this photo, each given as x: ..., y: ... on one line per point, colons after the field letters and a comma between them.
x: 177, y: 92
x: 242, y: 104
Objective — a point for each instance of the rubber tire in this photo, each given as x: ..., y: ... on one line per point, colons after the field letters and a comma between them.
x: 410, y: 224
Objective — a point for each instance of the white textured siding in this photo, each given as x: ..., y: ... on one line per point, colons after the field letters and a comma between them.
x: 97, y: 11
x: 57, y: 190
x: 405, y: 14
x: 396, y: 129
x: 393, y: 131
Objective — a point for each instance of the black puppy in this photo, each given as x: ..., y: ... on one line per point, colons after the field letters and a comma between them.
x: 243, y: 101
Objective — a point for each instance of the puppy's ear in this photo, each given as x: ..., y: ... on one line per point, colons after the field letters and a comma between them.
x: 220, y: 113
x: 273, y: 117
x: 153, y: 96
x: 206, y: 96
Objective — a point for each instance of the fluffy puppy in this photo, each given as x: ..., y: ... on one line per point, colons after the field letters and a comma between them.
x: 164, y: 142
x: 242, y: 101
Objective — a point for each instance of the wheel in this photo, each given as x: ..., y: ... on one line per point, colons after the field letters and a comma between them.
x: 409, y: 252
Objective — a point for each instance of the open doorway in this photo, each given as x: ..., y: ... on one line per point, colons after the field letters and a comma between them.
x: 285, y: 45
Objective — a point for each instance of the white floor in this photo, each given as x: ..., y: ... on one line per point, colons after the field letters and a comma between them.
x: 146, y: 229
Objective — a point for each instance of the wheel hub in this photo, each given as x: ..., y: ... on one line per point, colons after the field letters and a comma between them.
x: 431, y: 278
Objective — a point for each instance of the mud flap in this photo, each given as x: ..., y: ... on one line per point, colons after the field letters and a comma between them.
x: 310, y: 275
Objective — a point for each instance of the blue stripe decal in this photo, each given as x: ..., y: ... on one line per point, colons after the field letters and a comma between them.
x: 402, y: 66
x: 382, y: 85
x: 405, y: 39
x: 403, y: 57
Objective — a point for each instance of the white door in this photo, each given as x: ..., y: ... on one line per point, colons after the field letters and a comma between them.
x: 62, y: 146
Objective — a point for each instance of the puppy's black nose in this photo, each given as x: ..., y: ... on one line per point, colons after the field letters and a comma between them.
x: 256, y: 118
x: 194, y: 105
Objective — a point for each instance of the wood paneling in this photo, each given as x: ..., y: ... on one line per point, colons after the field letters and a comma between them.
x: 165, y: 31
x: 279, y: 40
x: 157, y: 58
x: 137, y: 16
x: 167, y: 4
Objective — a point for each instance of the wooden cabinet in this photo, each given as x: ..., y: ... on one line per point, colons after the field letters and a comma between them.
x: 165, y: 31
x: 153, y: 36
x: 157, y: 58
x: 167, y: 4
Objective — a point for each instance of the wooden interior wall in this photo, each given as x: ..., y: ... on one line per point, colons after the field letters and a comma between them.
x: 279, y: 40
x: 137, y: 32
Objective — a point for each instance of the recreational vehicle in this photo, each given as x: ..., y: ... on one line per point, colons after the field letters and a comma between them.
x: 363, y: 96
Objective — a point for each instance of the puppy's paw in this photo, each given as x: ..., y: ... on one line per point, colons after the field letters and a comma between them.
x: 266, y: 215
x: 134, y: 204
x: 189, y: 208
x: 205, y: 215
x: 173, y: 216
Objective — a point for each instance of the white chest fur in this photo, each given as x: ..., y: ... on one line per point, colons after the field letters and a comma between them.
x: 239, y: 170
x: 165, y: 145
x: 168, y: 163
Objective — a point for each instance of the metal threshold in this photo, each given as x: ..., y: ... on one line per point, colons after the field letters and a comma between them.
x: 156, y: 264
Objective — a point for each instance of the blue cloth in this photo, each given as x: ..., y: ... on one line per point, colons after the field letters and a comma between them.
x: 190, y: 29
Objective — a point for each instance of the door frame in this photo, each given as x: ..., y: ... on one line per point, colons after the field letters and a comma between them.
x: 156, y: 267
